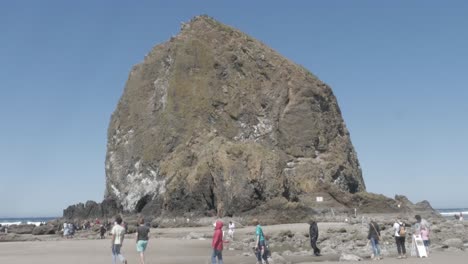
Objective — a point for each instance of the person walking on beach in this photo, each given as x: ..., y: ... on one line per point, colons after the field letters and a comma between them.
x: 232, y: 227
x: 118, y: 235
x: 400, y: 236
x: 313, y: 235
x: 142, y: 239
x: 217, y: 243
x: 374, y: 238
x: 102, y: 232
x: 260, y: 245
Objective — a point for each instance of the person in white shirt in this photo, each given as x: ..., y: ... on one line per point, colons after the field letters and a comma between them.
x: 400, y: 236
x: 232, y: 227
x: 118, y: 235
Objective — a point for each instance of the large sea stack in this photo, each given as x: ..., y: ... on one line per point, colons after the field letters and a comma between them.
x: 214, y: 121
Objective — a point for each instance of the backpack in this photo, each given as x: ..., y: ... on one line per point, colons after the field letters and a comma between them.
x: 402, y: 230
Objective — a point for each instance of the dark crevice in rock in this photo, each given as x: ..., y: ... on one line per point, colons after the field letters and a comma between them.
x: 258, y: 190
x: 211, y: 200
x: 323, y: 104
x: 338, y: 173
x: 353, y: 185
x: 142, y: 203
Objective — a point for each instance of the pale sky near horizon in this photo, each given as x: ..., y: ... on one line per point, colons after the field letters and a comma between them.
x: 399, y: 70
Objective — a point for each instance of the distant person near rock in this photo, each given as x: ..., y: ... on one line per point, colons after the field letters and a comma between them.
x: 374, y: 238
x: 420, y: 224
x: 231, y: 230
x: 102, y: 232
x: 142, y: 239
x: 118, y: 235
x: 217, y: 243
x: 260, y: 244
x: 425, y: 237
x: 400, y: 236
x: 313, y: 235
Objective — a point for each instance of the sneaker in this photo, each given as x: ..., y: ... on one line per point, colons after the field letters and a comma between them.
x: 399, y: 257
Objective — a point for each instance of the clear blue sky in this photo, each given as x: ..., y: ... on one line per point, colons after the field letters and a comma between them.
x: 399, y: 70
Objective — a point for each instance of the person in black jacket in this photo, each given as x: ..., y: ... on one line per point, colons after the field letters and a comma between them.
x: 313, y: 234
x: 374, y: 237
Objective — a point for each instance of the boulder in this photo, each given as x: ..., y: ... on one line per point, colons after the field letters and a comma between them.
x: 44, y: 230
x: 454, y: 243
x: 349, y: 257
x: 108, y: 208
x: 21, y: 229
x: 278, y: 259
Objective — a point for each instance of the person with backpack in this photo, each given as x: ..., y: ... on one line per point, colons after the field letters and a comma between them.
x: 374, y: 238
x: 400, y: 236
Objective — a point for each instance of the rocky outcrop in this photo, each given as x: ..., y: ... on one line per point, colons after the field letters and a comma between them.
x: 21, y: 229
x: 44, y: 230
x: 106, y: 209
x: 214, y: 121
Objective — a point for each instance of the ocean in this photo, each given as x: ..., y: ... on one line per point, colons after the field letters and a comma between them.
x: 25, y: 220
x: 451, y: 212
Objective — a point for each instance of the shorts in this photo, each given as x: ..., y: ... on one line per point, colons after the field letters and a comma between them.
x: 141, y: 245
x: 427, y: 243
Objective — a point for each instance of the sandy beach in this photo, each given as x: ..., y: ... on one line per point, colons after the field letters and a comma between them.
x: 169, y: 246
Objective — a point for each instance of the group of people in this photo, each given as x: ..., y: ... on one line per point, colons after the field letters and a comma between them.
x: 68, y: 230
x: 117, y: 238
x: 421, y: 228
x: 261, y: 248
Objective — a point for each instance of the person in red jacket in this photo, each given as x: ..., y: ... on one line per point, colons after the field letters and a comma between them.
x: 217, y: 243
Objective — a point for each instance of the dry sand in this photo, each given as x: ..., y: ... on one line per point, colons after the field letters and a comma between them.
x: 167, y: 247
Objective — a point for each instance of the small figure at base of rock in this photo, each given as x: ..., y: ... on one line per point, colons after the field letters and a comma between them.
x: 313, y: 235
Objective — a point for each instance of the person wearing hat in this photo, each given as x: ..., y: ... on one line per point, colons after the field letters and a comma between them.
x: 313, y: 235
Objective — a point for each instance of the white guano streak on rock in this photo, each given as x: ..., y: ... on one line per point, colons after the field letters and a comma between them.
x: 263, y: 127
x: 140, y: 184
x: 115, y: 190
x: 162, y: 84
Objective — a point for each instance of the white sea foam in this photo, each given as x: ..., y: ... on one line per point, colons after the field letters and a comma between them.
x: 21, y: 223
x: 25, y: 221
x: 454, y: 211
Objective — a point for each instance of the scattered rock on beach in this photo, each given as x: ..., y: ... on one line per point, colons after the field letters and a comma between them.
x: 44, y: 230
x: 454, y: 243
x: 21, y: 229
x: 349, y: 257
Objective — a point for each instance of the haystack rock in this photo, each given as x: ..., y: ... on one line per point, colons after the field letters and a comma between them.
x: 214, y: 121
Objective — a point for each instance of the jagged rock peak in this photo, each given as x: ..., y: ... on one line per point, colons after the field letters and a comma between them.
x: 214, y: 121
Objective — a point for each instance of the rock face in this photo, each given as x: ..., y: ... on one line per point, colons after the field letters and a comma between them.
x: 90, y: 210
x: 214, y: 121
